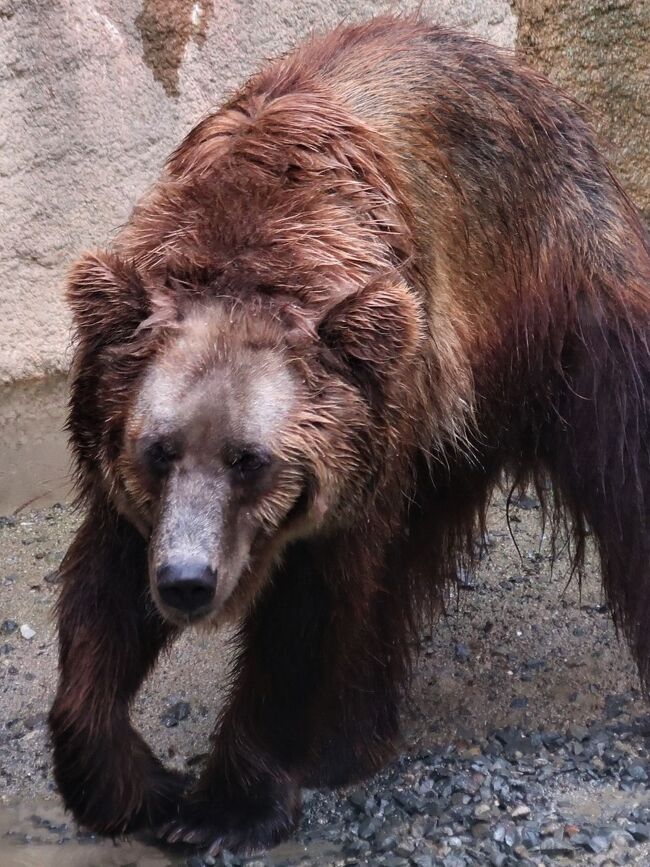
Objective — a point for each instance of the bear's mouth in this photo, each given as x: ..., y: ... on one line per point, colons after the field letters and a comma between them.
x: 183, y: 619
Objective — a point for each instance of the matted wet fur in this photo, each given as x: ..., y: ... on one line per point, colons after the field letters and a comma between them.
x: 392, y: 269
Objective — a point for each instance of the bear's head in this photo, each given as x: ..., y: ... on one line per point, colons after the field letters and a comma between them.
x: 225, y: 427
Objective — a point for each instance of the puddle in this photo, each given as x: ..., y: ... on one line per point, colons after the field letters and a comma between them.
x: 34, y: 461
x: 40, y: 834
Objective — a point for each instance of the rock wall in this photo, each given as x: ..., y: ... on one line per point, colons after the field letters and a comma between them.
x: 95, y: 93
x: 599, y: 52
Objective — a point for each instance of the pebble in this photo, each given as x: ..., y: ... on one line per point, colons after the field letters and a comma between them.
x: 176, y: 713
x: 579, y: 733
x: 641, y: 833
x: 638, y: 773
x: 498, y: 801
x: 27, y: 632
x: 556, y: 848
x: 598, y: 845
x: 35, y: 721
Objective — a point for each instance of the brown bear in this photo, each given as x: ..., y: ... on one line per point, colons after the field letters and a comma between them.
x: 390, y: 270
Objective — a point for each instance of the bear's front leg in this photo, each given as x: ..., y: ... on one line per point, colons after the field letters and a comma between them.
x: 244, y: 804
x: 109, y: 638
x: 314, y: 701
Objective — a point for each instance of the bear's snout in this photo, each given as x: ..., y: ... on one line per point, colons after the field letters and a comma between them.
x: 187, y: 585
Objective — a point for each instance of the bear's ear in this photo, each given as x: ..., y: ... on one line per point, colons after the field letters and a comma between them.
x: 107, y: 298
x: 381, y: 327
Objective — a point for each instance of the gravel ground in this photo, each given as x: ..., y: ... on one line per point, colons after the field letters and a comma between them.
x: 525, y: 741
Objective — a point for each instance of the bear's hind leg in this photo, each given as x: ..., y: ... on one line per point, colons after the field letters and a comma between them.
x: 109, y: 638
x: 599, y: 458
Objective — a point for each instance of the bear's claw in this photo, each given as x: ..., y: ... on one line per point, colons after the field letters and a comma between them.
x: 206, y: 824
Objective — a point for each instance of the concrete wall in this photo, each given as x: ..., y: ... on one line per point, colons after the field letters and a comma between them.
x: 95, y: 93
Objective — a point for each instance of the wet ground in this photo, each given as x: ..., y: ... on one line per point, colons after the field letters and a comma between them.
x: 34, y: 465
x: 522, y: 686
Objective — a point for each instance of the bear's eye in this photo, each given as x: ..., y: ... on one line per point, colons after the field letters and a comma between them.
x: 159, y: 456
x: 249, y: 462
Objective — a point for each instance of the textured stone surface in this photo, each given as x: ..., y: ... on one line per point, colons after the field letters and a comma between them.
x: 94, y: 94
x: 599, y: 51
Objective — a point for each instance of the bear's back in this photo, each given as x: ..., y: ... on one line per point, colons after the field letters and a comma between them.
x: 431, y: 144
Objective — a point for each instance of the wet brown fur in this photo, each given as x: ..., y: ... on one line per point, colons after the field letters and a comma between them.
x: 428, y: 230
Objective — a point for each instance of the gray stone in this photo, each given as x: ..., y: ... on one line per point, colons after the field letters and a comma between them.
x: 367, y: 828
x: 555, y: 848
x: 178, y: 712
x: 641, y: 833
x: 638, y: 773
x: 599, y: 844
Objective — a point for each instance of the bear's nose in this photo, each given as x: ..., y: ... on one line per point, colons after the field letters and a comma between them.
x: 186, y: 585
